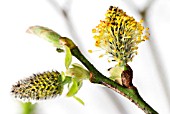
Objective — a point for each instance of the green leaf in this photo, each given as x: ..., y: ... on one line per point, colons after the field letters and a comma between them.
x: 79, y: 83
x: 77, y: 65
x: 46, y: 33
x: 67, y: 80
x: 74, y: 89
x: 79, y: 100
x: 115, y: 73
x: 63, y: 76
x: 68, y: 57
x: 78, y: 72
x: 28, y: 108
x: 114, y: 77
x: 83, y: 73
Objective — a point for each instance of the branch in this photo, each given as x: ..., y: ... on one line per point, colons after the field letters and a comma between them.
x: 129, y: 92
x: 96, y: 77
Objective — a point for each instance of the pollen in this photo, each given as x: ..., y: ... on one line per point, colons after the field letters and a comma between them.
x: 39, y: 86
x: 119, y: 35
x: 93, y: 30
x: 90, y: 51
x: 147, y: 28
x: 100, y: 56
x: 142, y: 20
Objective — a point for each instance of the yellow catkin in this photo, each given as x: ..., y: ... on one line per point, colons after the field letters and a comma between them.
x: 119, y: 34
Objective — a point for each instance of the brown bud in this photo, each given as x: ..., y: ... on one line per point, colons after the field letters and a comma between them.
x: 127, y: 76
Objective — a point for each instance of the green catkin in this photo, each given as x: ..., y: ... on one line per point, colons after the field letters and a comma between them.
x: 39, y: 86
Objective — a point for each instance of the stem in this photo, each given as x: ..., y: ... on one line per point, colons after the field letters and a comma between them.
x: 96, y: 77
x: 67, y: 80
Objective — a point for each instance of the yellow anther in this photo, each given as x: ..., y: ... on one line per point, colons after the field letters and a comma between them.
x: 145, y: 38
x: 90, y: 51
x: 108, y: 61
x: 142, y: 20
x: 100, y: 56
x: 110, y: 39
x: 147, y: 28
x: 93, y: 30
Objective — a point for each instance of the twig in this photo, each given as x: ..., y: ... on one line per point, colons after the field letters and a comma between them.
x: 153, y: 47
x: 127, y: 90
x: 96, y: 77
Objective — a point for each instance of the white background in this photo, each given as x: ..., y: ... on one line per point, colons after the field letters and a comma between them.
x: 22, y: 54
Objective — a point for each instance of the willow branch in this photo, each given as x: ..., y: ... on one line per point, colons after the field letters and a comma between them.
x: 96, y: 77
